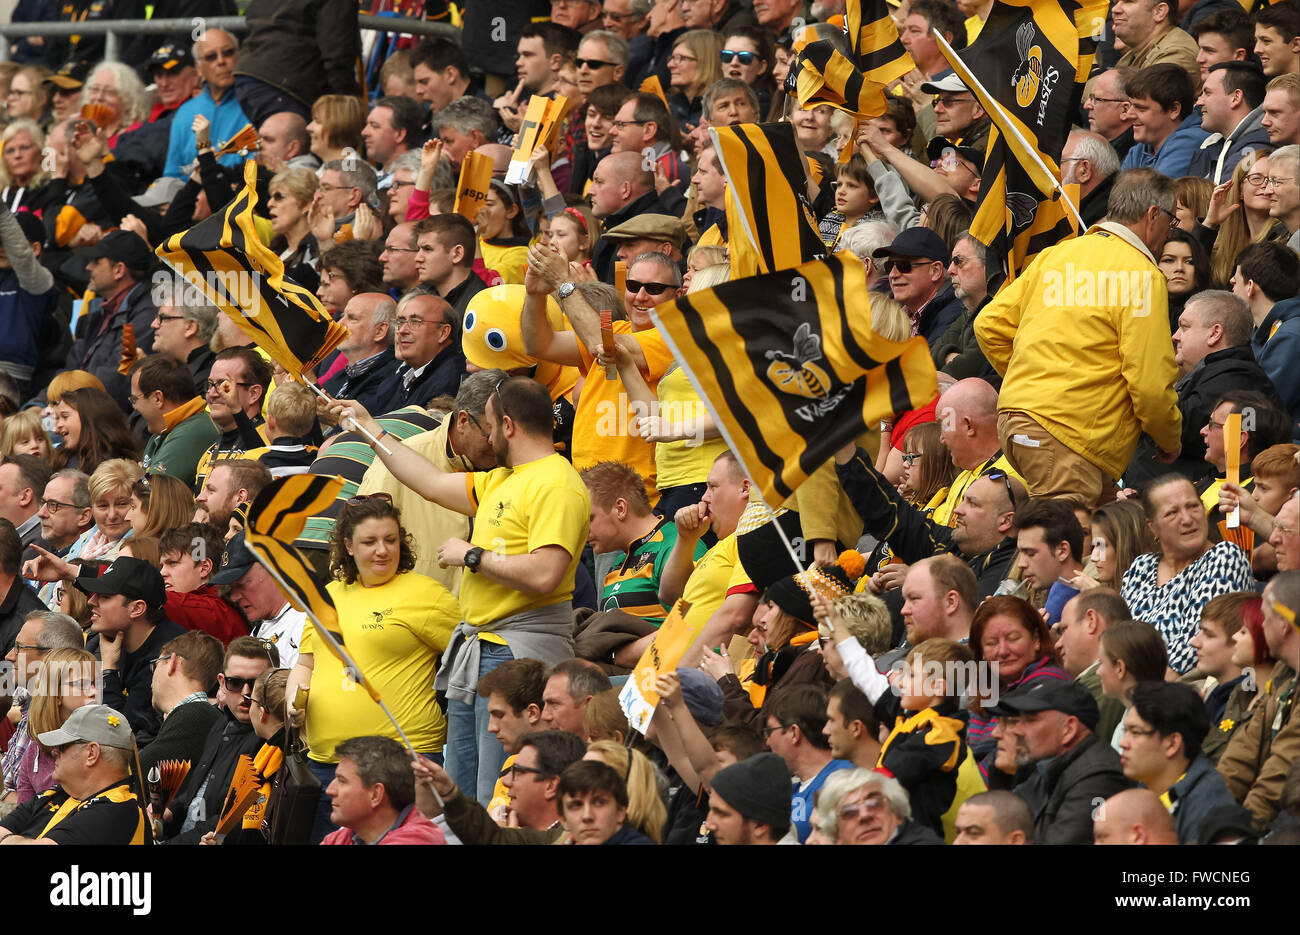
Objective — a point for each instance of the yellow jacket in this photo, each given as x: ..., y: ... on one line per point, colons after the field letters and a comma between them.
x: 1082, y: 341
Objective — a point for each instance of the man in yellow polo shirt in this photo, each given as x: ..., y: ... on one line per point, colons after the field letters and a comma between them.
x: 530, y: 524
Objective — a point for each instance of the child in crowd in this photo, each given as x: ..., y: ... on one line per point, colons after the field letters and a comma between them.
x: 189, y: 556
x: 855, y: 200
x: 290, y: 419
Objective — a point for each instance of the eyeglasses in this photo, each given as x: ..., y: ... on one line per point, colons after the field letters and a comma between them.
x: 620, y: 124
x: 1274, y: 181
x: 1173, y: 218
x: 388, y: 249
x: 213, y: 384
x: 55, y: 505
x: 959, y: 261
x: 769, y: 731
x: 947, y: 100
x: 401, y: 185
x: 63, y: 748
x: 327, y: 187
x: 677, y: 58
x: 165, y: 318
x: 25, y: 648
x: 14, y: 92
x: 513, y: 771
x: 652, y: 288
x: 903, y: 266
x: 745, y: 58
x: 219, y: 53
x: 240, y: 686
x: 415, y: 321
x: 362, y: 498
x: 594, y: 64
x: 1094, y: 100
x: 1256, y: 179
x: 854, y: 810
x: 154, y: 665
x: 909, y: 460
x: 476, y: 424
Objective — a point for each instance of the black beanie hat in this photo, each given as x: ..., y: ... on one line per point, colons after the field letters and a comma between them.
x: 758, y: 788
x: 792, y: 595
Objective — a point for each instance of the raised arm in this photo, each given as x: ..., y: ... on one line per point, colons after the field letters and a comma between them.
x: 691, y: 522
x: 540, y: 339
x: 412, y: 469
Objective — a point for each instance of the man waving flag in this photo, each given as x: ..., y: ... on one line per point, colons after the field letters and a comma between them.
x: 1027, y: 69
x: 851, y: 72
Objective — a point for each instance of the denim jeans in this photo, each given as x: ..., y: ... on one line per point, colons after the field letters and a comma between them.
x: 475, y: 757
x: 260, y: 100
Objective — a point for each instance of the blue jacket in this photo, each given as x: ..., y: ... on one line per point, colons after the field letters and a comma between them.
x: 1199, y: 792
x: 1175, y: 154
x: 1277, y: 348
x: 1248, y: 137
x: 227, y: 119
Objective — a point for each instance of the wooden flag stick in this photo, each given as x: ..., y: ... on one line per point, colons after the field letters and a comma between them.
x: 1232, y: 448
x: 607, y: 341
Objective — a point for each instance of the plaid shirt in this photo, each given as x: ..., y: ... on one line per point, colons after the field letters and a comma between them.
x: 195, y: 696
x: 13, y: 756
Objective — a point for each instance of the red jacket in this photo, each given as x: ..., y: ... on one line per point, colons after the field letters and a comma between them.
x: 414, y: 829
x: 203, y: 609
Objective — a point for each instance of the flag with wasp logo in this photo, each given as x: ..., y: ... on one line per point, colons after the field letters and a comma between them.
x: 790, y: 367
x: 275, y: 520
x: 224, y: 258
x: 1027, y: 68
x: 851, y: 70
x: 770, y: 225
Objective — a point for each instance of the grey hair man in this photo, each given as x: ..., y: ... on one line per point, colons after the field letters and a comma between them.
x: 861, y: 806
x: 1090, y: 162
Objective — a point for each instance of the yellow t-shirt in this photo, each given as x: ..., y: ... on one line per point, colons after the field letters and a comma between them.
x: 717, y: 573
x: 518, y: 511
x: 604, y: 414
x: 395, y: 632
x: 509, y: 260
x: 683, y: 462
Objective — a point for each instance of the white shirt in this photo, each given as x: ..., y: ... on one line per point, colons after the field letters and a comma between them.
x: 285, y: 631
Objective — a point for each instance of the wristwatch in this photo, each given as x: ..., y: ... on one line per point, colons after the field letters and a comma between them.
x: 565, y: 290
x: 473, y: 557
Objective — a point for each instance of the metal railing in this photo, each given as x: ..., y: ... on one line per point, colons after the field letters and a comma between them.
x: 113, y: 28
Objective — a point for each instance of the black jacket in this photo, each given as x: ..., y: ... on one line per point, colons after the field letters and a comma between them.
x: 458, y: 297
x: 305, y: 48
x: 910, y: 534
x: 183, y: 734
x: 226, y: 742
x: 909, y: 832
x: 936, y: 316
x: 441, y: 377
x: 1093, y: 206
x: 959, y: 339
x: 200, y: 364
x: 20, y: 601
x: 670, y: 202
x: 1233, y: 368
x: 129, y: 687
x: 1064, y: 793
x: 98, y: 344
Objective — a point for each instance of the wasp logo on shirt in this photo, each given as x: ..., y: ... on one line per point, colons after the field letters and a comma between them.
x: 796, y: 374
x: 378, y: 622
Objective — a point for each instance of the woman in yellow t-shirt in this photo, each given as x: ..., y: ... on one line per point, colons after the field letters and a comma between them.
x: 395, y: 624
x: 502, y: 233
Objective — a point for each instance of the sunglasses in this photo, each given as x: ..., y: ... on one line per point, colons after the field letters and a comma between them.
x: 238, y: 685
x: 593, y: 63
x: 652, y: 288
x: 903, y: 266
x: 745, y: 58
x: 1006, y: 480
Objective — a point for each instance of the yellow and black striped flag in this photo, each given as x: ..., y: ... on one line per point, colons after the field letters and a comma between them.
x: 770, y: 225
x: 275, y: 520
x: 790, y: 368
x: 851, y: 71
x: 224, y: 258
x: 1027, y: 68
x: 873, y: 37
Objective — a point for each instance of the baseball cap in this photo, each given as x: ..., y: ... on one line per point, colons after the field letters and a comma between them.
x: 133, y: 578
x: 1050, y: 695
x: 702, y: 695
x: 69, y: 78
x: 97, y: 723
x: 161, y: 191
x: 235, y: 561
x: 919, y: 242
x: 170, y: 57
x: 122, y: 247
x: 949, y: 82
x: 660, y: 227
x: 938, y: 146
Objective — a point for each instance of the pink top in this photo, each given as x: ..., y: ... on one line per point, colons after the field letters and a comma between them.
x: 414, y: 828
x: 35, y: 773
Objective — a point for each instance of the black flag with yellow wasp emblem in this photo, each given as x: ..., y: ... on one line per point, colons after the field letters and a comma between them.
x: 224, y: 258
x: 1027, y: 68
x: 790, y: 368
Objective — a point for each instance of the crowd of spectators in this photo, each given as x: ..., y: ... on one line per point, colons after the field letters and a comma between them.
x: 1048, y: 605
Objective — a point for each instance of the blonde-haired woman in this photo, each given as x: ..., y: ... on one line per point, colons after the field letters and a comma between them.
x: 64, y: 682
x: 1237, y: 215
x: 22, y: 173
x: 336, y: 123
x: 289, y: 198
x: 645, y: 807
x: 693, y: 66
